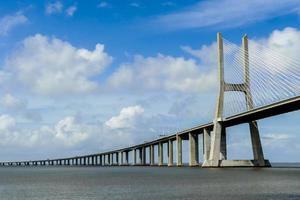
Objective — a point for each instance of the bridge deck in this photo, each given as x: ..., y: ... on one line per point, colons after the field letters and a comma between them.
x: 277, y: 108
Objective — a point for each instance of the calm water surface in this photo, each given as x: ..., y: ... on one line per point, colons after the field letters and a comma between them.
x: 143, y: 183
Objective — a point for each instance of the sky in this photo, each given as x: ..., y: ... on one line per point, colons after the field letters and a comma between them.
x: 79, y: 77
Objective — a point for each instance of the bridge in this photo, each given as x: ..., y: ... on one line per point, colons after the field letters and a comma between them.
x: 262, y: 83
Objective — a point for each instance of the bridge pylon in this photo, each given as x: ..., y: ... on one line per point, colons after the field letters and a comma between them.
x: 217, y: 156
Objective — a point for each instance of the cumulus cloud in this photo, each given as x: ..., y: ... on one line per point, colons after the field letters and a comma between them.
x: 54, y: 7
x: 9, y: 22
x: 284, y: 44
x: 70, y: 131
x: 71, y: 10
x: 11, y: 102
x: 126, y: 119
x: 7, y: 123
x: 163, y: 72
x: 18, y: 106
x: 50, y: 66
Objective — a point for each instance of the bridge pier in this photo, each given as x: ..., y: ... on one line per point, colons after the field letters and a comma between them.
x: 170, y: 153
x: 151, y: 155
x: 126, y: 157
x: 206, y: 143
x: 194, y: 154
x: 143, y: 156
x: 100, y: 160
x: 121, y: 158
x: 179, y: 150
x: 134, y: 156
x: 140, y: 156
x: 117, y: 158
x: 160, y: 154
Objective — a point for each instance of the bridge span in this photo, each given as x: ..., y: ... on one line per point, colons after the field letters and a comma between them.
x: 214, y: 133
x: 120, y: 157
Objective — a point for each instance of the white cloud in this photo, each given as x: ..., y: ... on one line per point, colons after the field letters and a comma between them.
x: 126, y: 118
x: 10, y: 102
x: 70, y: 131
x: 55, y: 7
x: 285, y: 44
x: 8, y: 135
x: 276, y: 136
x: 71, y: 10
x: 9, y: 22
x: 134, y: 4
x: 168, y: 3
x: 67, y: 132
x: 226, y: 13
x: 163, y: 72
x: 7, y: 123
x: 103, y: 4
x: 50, y: 66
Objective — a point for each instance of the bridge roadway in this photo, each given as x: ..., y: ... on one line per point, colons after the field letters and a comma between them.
x: 117, y: 157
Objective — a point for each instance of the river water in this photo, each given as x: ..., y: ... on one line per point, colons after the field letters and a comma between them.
x: 143, y: 183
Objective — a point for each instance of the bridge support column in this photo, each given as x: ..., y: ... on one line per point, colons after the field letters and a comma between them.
x: 121, y: 158
x: 194, y: 152
x: 93, y: 160
x: 109, y: 159
x: 179, y: 150
x: 126, y: 157
x: 170, y: 153
x: 258, y: 154
x: 160, y: 154
x: 151, y: 157
x: 206, y: 144
x: 134, y: 156
x: 143, y: 156
x: 117, y: 158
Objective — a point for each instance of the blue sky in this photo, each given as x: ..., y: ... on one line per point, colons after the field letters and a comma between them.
x: 86, y: 76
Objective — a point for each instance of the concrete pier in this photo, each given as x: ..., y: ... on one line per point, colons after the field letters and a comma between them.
x: 194, y: 154
x: 160, y: 154
x: 143, y: 156
x: 179, y: 150
x: 170, y: 153
x: 121, y: 158
x: 151, y: 156
x: 127, y: 157
x: 134, y: 156
x: 206, y: 143
x: 140, y: 156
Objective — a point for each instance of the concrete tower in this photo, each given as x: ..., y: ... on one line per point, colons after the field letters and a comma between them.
x: 218, y: 153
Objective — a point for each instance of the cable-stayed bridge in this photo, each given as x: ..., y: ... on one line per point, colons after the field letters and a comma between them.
x: 255, y: 82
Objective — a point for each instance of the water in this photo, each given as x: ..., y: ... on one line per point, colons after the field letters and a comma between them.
x: 143, y: 183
